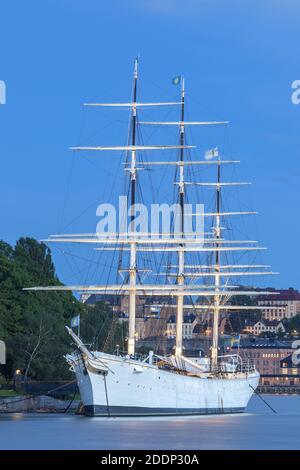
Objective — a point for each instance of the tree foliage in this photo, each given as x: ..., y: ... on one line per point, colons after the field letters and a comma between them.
x: 292, y: 325
x: 239, y: 319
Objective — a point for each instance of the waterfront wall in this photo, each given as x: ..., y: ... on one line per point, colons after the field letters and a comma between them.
x: 36, y: 404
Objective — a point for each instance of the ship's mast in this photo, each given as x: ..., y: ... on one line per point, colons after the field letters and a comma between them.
x: 180, y: 279
x: 132, y: 268
x: 216, y: 305
x: 133, y: 243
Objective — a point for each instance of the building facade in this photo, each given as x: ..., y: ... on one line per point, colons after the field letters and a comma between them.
x: 264, y: 326
x: 189, y: 323
x: 273, y: 360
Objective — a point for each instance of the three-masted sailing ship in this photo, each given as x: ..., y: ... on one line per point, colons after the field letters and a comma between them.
x: 170, y: 384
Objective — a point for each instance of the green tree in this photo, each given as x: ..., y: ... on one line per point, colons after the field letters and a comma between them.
x: 292, y: 325
x: 101, y: 329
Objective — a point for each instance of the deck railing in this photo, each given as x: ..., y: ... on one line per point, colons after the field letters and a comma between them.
x: 235, y: 362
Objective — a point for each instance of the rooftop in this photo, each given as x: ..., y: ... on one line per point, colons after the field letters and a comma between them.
x: 287, y: 362
x: 93, y: 299
x: 271, y: 322
x: 263, y: 343
x: 186, y: 319
x: 198, y: 328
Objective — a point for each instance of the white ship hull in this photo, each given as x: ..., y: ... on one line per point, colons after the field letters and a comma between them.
x: 116, y: 386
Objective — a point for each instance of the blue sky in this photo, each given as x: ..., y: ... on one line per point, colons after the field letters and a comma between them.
x: 239, y: 59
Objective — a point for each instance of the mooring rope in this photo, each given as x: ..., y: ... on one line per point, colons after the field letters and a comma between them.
x: 265, y: 402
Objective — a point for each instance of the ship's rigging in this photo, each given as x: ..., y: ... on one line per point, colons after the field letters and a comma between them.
x: 181, y: 278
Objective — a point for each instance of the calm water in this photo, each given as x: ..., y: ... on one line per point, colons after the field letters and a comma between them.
x: 259, y: 428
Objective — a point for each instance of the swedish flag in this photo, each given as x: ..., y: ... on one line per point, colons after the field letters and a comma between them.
x: 176, y: 80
